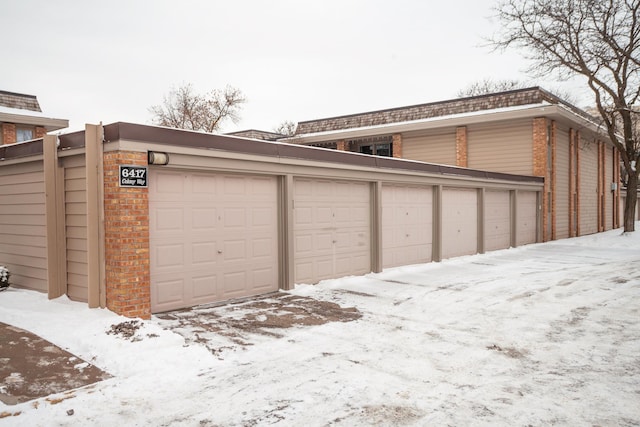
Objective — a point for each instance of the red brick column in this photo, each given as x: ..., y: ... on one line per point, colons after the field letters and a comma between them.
x: 341, y: 145
x: 40, y: 132
x: 462, y: 147
x: 8, y: 133
x: 126, y: 223
x: 540, y: 169
x: 572, y: 181
x: 396, y: 145
x: 577, y: 145
x: 554, y: 169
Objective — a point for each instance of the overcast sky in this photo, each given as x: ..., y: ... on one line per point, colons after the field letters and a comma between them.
x: 90, y: 61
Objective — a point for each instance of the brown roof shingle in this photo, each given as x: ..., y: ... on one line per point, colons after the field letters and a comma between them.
x: 19, y: 101
x: 533, y: 95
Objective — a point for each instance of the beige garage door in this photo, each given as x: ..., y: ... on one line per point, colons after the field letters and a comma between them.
x: 459, y: 222
x: 331, y: 229
x: 497, y: 215
x: 213, y: 237
x: 407, y: 225
x: 526, y: 218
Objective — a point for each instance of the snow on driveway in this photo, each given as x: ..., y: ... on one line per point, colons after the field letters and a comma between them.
x: 539, y: 335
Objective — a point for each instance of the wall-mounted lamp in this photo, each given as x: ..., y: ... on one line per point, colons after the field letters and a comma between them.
x: 155, y: 158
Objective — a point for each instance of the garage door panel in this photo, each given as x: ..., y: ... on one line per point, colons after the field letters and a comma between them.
x: 304, y: 216
x: 168, y: 187
x: 203, y: 219
x: 322, y: 242
x: 304, y: 243
x: 169, y: 255
x: 203, y: 253
x: 203, y: 187
x: 234, y: 284
x: 262, y: 217
x: 459, y: 222
x: 323, y: 216
x: 261, y: 248
x: 526, y: 217
x: 168, y: 291
x: 497, y: 220
x: 234, y: 250
x: 324, y: 268
x: 212, y: 238
x: 167, y: 219
x: 407, y: 224
x: 331, y: 225
x: 204, y: 287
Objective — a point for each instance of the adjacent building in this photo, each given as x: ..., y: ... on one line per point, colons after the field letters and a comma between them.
x: 21, y: 118
x: 526, y: 131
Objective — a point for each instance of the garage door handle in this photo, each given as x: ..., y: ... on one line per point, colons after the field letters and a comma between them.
x: 219, y: 252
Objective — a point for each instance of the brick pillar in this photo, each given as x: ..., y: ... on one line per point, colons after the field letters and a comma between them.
x: 462, y: 147
x: 40, y: 132
x: 616, y: 194
x: 341, y: 145
x: 553, y: 173
x: 9, y: 133
x: 572, y: 182
x: 577, y: 145
x: 540, y: 169
x: 396, y: 145
x: 126, y: 223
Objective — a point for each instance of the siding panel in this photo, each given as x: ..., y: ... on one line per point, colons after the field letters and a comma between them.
x: 588, y: 187
x: 506, y: 147
x: 562, y: 183
x: 76, y: 232
x: 432, y: 147
x: 22, y: 224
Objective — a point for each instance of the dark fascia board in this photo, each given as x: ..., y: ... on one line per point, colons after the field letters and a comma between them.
x: 177, y: 137
x: 169, y: 136
x: 71, y: 140
x: 24, y: 149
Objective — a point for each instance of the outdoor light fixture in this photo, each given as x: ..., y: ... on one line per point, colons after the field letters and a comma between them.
x: 156, y: 158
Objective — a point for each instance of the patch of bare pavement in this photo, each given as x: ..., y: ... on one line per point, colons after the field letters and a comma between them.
x: 31, y: 368
x: 240, y: 322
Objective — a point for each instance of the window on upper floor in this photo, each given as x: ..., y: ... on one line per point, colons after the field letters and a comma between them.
x: 24, y: 134
x: 377, y: 149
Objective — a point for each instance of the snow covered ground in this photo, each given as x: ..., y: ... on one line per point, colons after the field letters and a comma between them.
x: 545, y: 334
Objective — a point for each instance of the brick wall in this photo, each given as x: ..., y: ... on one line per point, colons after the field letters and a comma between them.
x: 126, y: 213
x: 462, y: 147
x: 396, y: 144
x: 8, y: 133
x: 540, y: 169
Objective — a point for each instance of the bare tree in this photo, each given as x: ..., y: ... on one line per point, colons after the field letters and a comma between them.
x: 287, y: 128
x: 184, y: 109
x: 488, y: 85
x: 598, y: 40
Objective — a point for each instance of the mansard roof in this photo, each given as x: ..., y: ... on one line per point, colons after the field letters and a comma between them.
x: 19, y: 101
x: 474, y: 104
